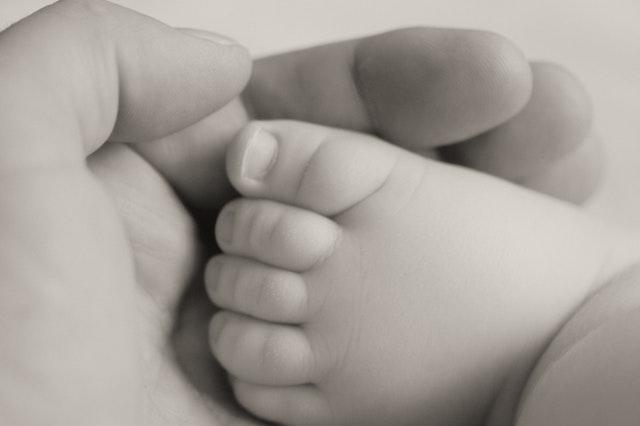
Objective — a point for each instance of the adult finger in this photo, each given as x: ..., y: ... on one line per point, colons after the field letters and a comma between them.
x: 419, y: 87
x: 73, y: 75
x: 82, y: 71
x: 548, y: 146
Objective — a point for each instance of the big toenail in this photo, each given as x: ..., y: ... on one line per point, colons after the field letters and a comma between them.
x: 260, y: 155
x: 226, y: 223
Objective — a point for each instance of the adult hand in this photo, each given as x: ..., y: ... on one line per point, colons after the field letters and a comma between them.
x: 466, y: 96
x: 162, y: 234
x: 468, y: 90
x: 74, y: 348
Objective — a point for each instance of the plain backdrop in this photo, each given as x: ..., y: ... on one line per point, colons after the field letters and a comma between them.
x: 599, y: 40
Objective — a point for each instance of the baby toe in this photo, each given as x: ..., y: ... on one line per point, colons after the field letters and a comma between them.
x: 289, y: 405
x: 255, y: 289
x: 261, y: 352
x: 275, y: 234
x: 313, y: 167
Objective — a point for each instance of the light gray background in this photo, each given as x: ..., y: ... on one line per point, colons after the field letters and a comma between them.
x: 598, y: 39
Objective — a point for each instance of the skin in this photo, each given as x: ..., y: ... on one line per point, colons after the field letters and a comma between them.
x: 79, y: 326
x: 486, y: 116
x: 189, y: 169
x: 588, y: 375
x: 364, y: 285
x: 122, y: 249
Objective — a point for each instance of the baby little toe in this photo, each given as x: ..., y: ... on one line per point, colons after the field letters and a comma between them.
x: 288, y: 405
x: 261, y: 352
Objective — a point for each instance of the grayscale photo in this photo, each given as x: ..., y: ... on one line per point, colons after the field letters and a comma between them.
x: 319, y: 213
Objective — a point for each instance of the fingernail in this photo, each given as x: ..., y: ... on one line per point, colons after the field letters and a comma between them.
x: 226, y: 222
x: 213, y: 276
x: 260, y: 154
x: 210, y: 36
x: 215, y: 328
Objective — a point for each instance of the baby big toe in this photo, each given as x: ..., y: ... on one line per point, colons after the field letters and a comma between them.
x: 317, y: 168
x: 275, y: 234
x: 255, y: 289
x: 289, y: 405
x: 261, y: 352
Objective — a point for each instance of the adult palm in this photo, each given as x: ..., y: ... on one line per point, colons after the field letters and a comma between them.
x: 183, y: 384
x: 91, y: 281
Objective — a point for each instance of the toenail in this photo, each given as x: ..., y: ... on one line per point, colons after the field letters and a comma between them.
x: 225, y: 226
x: 260, y: 154
x: 217, y: 324
x: 213, y: 276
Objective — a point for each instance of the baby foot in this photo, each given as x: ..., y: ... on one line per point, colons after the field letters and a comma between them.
x: 364, y: 285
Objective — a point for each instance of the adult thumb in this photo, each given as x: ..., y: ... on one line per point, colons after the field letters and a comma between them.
x: 79, y: 72
x: 72, y: 76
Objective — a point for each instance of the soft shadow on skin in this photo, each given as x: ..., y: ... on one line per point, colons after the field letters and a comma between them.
x: 190, y: 341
